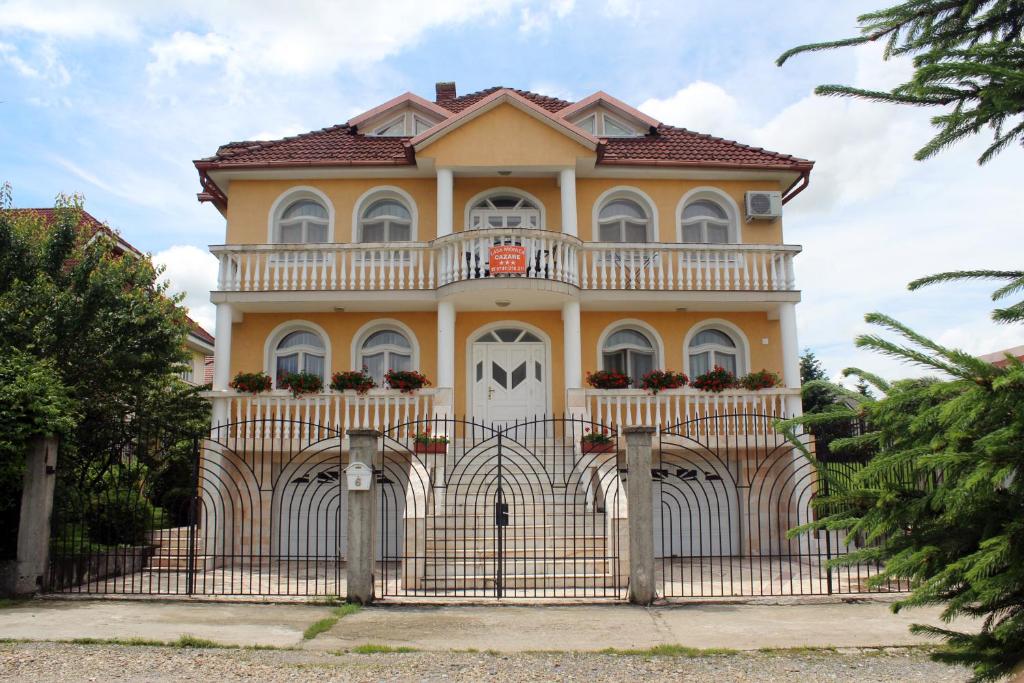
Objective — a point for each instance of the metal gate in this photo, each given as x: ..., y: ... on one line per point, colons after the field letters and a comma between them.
x: 249, y: 508
x: 727, y: 490
x: 528, y: 509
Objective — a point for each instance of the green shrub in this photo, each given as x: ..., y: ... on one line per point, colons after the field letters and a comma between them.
x: 121, y: 517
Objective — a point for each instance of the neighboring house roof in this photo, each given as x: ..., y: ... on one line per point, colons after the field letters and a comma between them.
x: 998, y: 358
x: 344, y: 145
x: 93, y: 227
x: 88, y: 222
x: 199, y: 333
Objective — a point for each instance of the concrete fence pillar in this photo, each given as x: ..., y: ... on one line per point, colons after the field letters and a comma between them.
x: 36, y: 509
x: 362, y: 515
x: 640, y: 503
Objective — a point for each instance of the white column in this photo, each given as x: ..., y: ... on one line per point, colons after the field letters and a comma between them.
x: 567, y: 181
x: 571, y: 341
x: 790, y: 355
x: 222, y: 347
x: 446, y: 344
x: 445, y: 188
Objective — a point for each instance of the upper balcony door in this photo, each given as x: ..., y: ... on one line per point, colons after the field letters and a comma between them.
x: 507, y: 377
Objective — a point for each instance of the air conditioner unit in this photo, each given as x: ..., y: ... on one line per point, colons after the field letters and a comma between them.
x: 763, y: 205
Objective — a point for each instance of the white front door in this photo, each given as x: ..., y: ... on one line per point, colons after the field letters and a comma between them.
x: 508, y: 381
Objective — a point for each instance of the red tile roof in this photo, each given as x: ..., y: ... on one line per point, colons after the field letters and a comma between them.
x: 343, y: 145
x: 87, y: 222
x: 198, y: 331
x: 552, y: 104
x: 682, y: 147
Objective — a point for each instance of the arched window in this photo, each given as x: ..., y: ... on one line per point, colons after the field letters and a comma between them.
x: 300, y: 351
x: 504, y: 210
x: 705, y: 222
x: 384, y: 350
x: 303, y: 221
x: 385, y: 220
x: 713, y: 346
x: 630, y: 352
x: 623, y: 219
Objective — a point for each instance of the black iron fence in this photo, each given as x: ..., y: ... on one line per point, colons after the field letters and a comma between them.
x: 724, y: 502
x: 524, y: 509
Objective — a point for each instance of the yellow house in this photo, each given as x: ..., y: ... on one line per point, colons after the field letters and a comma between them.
x: 505, y: 244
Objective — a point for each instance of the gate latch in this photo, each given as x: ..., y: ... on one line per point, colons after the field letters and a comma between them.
x: 501, y: 514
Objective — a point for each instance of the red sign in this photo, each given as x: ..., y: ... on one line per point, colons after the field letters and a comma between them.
x: 508, y: 259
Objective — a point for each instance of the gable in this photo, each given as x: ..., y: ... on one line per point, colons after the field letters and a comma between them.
x: 505, y: 136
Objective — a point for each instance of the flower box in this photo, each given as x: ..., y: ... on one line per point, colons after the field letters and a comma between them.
x: 596, y: 447
x: 436, y: 447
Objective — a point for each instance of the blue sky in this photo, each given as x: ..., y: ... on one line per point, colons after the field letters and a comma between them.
x: 115, y: 99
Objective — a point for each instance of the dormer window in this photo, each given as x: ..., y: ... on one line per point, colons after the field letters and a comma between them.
x: 406, y: 124
x: 393, y: 128
x: 604, y: 125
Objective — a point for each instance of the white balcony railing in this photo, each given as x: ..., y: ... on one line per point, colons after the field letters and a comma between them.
x: 465, y: 256
x: 324, y: 267
x: 688, y: 267
x: 693, y: 412
x: 276, y: 415
x: 548, y: 255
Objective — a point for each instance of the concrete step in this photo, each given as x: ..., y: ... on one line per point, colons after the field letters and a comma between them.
x: 523, y: 567
x: 518, y: 544
x: 179, y: 563
x: 479, y: 582
x: 540, y: 549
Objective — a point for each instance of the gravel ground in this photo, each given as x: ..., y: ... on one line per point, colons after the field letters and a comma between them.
x: 66, y: 662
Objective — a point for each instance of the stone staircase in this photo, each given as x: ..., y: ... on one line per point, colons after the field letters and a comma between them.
x: 553, y: 541
x: 170, y: 551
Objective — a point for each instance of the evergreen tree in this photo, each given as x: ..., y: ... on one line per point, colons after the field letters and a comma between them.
x: 968, y: 60
x: 940, y: 502
x: 1015, y: 284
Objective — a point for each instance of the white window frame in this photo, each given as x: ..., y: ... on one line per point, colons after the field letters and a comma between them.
x: 600, y: 129
x: 382, y: 325
x: 640, y: 326
x: 289, y: 197
x: 497, y: 191
x: 742, y: 349
x: 633, y: 194
x: 720, y: 198
x: 283, y: 330
x: 383, y: 192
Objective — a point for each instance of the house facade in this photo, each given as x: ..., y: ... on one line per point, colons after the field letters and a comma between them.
x: 505, y: 244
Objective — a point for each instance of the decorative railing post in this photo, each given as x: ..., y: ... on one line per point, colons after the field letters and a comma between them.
x: 362, y: 512
x: 640, y: 505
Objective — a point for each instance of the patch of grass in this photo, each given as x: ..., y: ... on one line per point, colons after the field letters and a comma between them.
x: 186, y: 640
x: 325, y: 624
x: 371, y: 649
x: 144, y: 642
x: 671, y: 651
x: 797, y: 650
x: 11, y: 602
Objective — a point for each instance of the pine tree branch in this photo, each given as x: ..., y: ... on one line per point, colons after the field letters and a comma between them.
x: 957, y: 275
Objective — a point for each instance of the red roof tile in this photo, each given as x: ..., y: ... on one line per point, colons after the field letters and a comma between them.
x: 679, y: 146
x: 198, y: 331
x: 334, y: 145
x: 552, y: 104
x: 343, y: 145
x: 87, y: 222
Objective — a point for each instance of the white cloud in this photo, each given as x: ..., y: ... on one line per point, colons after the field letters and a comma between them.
x: 533, y: 20
x: 71, y: 18
x: 48, y: 66
x: 193, y: 272
x: 701, y: 106
x: 185, y: 47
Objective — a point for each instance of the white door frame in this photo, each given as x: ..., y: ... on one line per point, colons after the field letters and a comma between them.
x: 470, y: 382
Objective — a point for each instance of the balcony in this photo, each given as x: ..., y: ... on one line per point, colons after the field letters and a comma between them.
x: 698, y: 413
x: 541, y: 255
x: 277, y: 415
